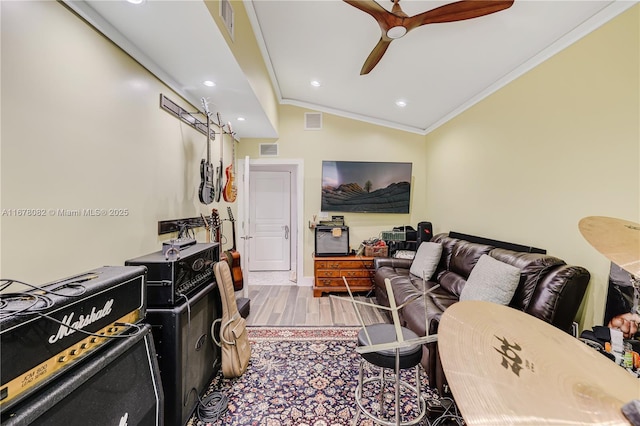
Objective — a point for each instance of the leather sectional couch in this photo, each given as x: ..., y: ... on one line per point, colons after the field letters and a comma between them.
x: 548, y: 289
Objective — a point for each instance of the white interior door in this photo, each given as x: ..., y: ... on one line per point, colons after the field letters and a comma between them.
x: 270, y: 221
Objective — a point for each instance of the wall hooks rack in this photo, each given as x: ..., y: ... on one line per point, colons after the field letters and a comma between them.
x: 185, y: 116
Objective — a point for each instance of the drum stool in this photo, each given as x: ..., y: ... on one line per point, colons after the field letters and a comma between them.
x: 398, y: 358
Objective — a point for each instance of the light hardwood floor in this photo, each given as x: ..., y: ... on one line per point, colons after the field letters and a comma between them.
x: 292, y: 305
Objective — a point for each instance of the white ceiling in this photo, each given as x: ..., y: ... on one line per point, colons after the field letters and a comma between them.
x: 438, y: 70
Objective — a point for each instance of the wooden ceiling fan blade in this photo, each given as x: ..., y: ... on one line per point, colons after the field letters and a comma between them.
x: 371, y: 7
x: 375, y: 56
x: 458, y: 11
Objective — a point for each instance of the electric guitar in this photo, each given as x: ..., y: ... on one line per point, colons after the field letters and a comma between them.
x: 207, y: 190
x: 218, y: 185
x: 230, y: 190
x: 234, y: 257
x: 215, y: 225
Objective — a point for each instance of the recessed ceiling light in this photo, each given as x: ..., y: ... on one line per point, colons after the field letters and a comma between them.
x: 401, y: 103
x: 135, y: 1
x: 240, y: 119
x: 208, y: 83
x: 315, y: 83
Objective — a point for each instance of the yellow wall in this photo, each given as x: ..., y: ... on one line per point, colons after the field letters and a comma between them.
x: 82, y: 129
x: 350, y: 140
x: 558, y: 144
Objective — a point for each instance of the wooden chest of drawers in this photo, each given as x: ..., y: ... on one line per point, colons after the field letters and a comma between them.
x: 328, y: 273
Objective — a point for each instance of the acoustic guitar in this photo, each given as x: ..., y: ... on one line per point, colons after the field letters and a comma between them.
x: 207, y: 190
x: 230, y: 191
x: 233, y: 257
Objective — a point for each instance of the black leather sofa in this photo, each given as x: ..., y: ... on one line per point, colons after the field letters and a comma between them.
x: 548, y: 289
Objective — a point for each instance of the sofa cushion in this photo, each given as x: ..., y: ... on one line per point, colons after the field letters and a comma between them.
x: 532, y: 267
x: 465, y: 256
x: 491, y: 281
x: 448, y: 244
x: 426, y: 260
x: 398, y: 277
x: 451, y: 282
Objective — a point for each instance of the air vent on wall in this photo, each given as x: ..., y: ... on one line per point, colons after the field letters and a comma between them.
x: 226, y: 13
x: 313, y: 121
x: 268, y: 149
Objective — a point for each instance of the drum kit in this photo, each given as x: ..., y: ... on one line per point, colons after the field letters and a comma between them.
x: 505, y: 367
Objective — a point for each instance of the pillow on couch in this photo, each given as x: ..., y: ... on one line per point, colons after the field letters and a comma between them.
x: 426, y: 260
x: 492, y: 281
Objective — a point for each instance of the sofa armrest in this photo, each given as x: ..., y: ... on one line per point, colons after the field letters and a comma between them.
x: 379, y: 262
x: 558, y: 296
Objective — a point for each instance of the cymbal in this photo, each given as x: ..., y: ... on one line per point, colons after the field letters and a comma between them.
x: 506, y: 367
x: 617, y: 239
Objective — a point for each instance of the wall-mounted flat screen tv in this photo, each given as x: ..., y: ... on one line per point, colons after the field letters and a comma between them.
x: 366, y: 187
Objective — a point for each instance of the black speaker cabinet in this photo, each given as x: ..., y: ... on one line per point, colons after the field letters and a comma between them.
x: 119, y: 385
x: 425, y: 232
x: 187, y: 356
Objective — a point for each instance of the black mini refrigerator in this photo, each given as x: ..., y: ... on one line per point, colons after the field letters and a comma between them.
x: 187, y: 356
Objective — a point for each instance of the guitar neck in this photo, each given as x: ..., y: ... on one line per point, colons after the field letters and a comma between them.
x: 233, y: 235
x: 233, y: 227
x: 221, y: 138
x: 208, y: 140
x: 207, y: 114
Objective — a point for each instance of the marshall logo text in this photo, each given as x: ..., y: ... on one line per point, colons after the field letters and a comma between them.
x: 69, y: 326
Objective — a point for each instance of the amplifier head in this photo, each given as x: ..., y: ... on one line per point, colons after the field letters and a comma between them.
x: 332, y: 241
x: 168, y: 278
x: 49, y: 334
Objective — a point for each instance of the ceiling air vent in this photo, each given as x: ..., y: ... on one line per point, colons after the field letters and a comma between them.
x: 268, y: 149
x: 226, y: 13
x: 313, y: 121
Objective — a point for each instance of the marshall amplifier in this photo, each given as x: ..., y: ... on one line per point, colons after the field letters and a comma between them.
x: 170, y: 277
x: 44, y: 332
x: 120, y: 385
x: 332, y: 241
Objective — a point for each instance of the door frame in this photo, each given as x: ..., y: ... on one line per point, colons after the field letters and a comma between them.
x: 296, y: 168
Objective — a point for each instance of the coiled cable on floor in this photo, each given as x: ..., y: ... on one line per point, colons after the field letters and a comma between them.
x: 212, y: 407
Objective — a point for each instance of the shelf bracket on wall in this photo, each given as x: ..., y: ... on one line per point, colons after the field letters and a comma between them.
x: 184, y: 115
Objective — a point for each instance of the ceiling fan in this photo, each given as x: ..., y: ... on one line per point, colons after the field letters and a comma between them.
x: 396, y: 24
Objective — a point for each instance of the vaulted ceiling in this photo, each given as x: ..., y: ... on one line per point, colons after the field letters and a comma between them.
x: 438, y: 70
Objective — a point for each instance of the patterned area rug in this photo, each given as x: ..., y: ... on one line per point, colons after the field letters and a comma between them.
x: 303, y: 376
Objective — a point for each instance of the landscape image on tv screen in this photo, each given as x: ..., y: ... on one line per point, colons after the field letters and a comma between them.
x: 366, y: 187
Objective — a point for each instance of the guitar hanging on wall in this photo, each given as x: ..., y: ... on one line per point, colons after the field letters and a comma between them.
x: 230, y: 190
x: 220, y: 168
x: 233, y: 256
x: 207, y: 189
